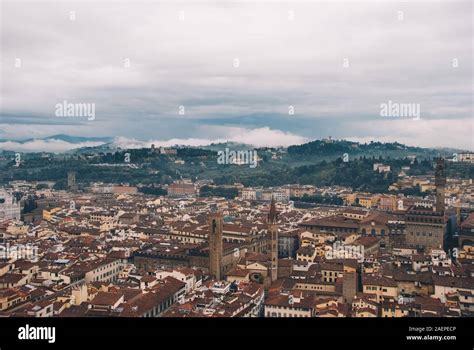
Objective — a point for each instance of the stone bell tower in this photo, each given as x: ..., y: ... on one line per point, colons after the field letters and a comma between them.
x: 272, y: 240
x: 440, y: 183
x: 215, y: 245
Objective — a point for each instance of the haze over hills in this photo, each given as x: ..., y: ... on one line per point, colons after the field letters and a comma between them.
x: 62, y: 143
x: 321, y: 163
x: 55, y: 144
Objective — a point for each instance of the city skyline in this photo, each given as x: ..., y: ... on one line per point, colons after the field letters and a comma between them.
x: 270, y: 168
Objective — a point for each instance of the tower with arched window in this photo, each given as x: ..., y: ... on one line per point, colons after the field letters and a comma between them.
x: 272, y: 240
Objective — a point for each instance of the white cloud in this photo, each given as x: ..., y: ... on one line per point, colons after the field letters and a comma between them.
x: 421, y: 133
x: 190, y: 63
x: 265, y: 137
x: 260, y: 137
x: 50, y: 145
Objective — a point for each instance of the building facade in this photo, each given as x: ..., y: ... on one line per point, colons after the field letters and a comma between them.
x: 9, y: 207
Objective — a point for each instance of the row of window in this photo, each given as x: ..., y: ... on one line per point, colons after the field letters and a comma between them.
x: 157, y: 310
x: 373, y: 232
x: 376, y: 288
x: 314, y: 287
x: 279, y: 314
x: 430, y: 234
x: 428, y: 220
x: 331, y: 273
x: 106, y: 274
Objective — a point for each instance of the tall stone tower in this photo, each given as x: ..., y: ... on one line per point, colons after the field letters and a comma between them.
x: 71, y: 181
x: 272, y: 240
x: 215, y: 245
x: 440, y: 183
x: 349, y: 286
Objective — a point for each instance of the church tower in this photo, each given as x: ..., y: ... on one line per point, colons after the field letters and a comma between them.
x: 272, y: 240
x: 71, y: 181
x: 440, y: 183
x: 215, y: 245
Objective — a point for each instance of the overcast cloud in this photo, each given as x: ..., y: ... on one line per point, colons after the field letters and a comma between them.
x: 183, y: 54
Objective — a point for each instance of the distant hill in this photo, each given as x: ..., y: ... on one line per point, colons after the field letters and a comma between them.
x: 319, y: 163
x: 335, y: 146
x: 235, y: 146
x: 339, y: 147
x: 320, y: 149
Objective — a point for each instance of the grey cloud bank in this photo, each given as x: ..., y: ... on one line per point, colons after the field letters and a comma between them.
x: 138, y: 62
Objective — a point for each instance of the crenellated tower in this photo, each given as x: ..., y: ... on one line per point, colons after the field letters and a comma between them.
x: 440, y: 183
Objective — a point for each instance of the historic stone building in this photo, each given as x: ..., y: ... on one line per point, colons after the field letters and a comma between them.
x: 150, y: 259
x: 9, y: 207
x: 425, y: 228
x: 396, y: 233
x: 425, y: 225
x: 466, y: 231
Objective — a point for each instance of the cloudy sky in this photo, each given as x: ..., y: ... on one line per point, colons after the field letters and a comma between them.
x: 235, y: 68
